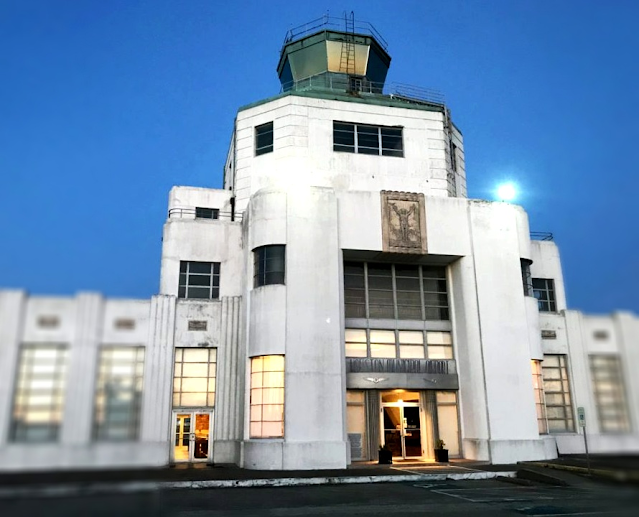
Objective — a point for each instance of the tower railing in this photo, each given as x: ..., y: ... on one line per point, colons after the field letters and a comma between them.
x: 345, y: 83
x: 335, y: 23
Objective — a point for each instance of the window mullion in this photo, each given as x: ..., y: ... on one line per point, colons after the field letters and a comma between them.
x: 356, y: 139
x: 421, y: 293
x: 379, y: 141
x: 366, y: 297
x: 394, y: 284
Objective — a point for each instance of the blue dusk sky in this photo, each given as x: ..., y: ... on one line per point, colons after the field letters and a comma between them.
x: 105, y: 105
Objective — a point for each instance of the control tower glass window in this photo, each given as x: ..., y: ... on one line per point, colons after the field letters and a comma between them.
x: 365, y: 139
x: 264, y: 139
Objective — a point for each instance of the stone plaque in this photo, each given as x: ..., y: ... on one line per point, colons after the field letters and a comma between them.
x: 403, y: 222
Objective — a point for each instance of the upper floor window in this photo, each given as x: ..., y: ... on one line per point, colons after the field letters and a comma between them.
x: 269, y: 265
x: 544, y: 291
x: 364, y: 139
x: 556, y: 386
x: 395, y: 291
x: 264, y: 139
x: 206, y: 213
x: 199, y: 280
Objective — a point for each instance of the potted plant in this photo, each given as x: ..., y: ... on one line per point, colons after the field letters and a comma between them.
x: 441, y: 454
x: 385, y: 455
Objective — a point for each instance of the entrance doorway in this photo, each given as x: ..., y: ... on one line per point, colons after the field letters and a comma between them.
x: 191, y: 432
x: 401, y: 423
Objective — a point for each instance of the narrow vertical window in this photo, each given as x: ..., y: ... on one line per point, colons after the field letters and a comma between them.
x: 526, y: 278
x: 118, y: 397
x: 269, y: 265
x: 557, y: 394
x: 39, y: 393
x: 538, y: 387
x: 356, y: 345
x: 264, y: 139
x: 440, y: 345
x: 354, y: 290
x: 267, y: 397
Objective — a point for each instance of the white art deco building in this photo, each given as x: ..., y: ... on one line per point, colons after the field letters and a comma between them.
x: 339, y: 292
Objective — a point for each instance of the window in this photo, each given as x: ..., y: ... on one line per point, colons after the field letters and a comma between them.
x: 39, y: 393
x: 118, y: 396
x: 267, y: 396
x: 206, y: 213
x: 526, y: 278
x: 453, y: 156
x: 608, y: 387
x: 194, y: 377
x: 557, y: 394
x: 364, y: 139
x: 544, y: 291
x: 538, y: 387
x: 403, y: 344
x: 199, y: 280
x: 269, y: 265
x: 387, y: 291
x: 264, y: 139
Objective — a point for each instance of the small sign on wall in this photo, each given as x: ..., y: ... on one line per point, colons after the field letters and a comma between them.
x: 581, y: 417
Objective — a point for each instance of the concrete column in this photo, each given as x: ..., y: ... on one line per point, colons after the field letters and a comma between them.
x: 158, y: 372
x: 82, y: 368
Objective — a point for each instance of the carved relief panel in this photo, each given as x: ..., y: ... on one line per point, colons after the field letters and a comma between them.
x: 403, y: 222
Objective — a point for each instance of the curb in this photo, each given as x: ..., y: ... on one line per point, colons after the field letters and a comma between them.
x: 530, y: 473
x: 616, y: 475
x: 151, y: 486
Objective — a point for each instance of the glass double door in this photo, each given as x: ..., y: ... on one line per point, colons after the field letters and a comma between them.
x: 402, y: 430
x: 191, y: 432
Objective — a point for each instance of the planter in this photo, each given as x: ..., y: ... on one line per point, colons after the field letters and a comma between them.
x: 385, y: 456
x: 441, y: 455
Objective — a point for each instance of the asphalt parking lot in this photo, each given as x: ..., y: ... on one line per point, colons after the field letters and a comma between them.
x: 460, y: 498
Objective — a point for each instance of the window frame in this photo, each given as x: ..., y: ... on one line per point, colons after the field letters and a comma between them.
x: 103, y: 427
x: 261, y: 131
x: 363, y: 134
x: 376, y: 292
x: 545, y: 294
x: 185, y: 276
x: 202, y: 212
x: 178, y: 378
x: 266, y: 382
x: 273, y: 254
x: 24, y: 388
x: 613, y: 415
x: 429, y: 343
x: 567, y: 402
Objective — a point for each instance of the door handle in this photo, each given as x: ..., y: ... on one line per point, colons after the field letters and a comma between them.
x: 192, y: 436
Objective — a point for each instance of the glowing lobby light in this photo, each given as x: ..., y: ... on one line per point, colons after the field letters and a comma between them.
x: 506, y: 192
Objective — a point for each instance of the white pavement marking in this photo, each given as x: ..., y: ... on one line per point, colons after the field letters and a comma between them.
x: 149, y: 486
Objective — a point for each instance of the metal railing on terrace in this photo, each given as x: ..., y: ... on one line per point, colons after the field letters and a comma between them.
x: 190, y: 213
x: 542, y: 236
x: 334, y: 23
x: 342, y: 83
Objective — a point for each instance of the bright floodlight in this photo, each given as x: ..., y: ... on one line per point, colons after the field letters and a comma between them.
x: 506, y: 192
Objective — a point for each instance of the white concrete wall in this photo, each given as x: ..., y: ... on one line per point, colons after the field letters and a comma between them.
x: 303, y: 149
x: 309, y: 334
x: 87, y: 322
x: 547, y: 264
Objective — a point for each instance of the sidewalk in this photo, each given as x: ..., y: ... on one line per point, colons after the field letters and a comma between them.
x: 70, y: 483
x: 613, y: 467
